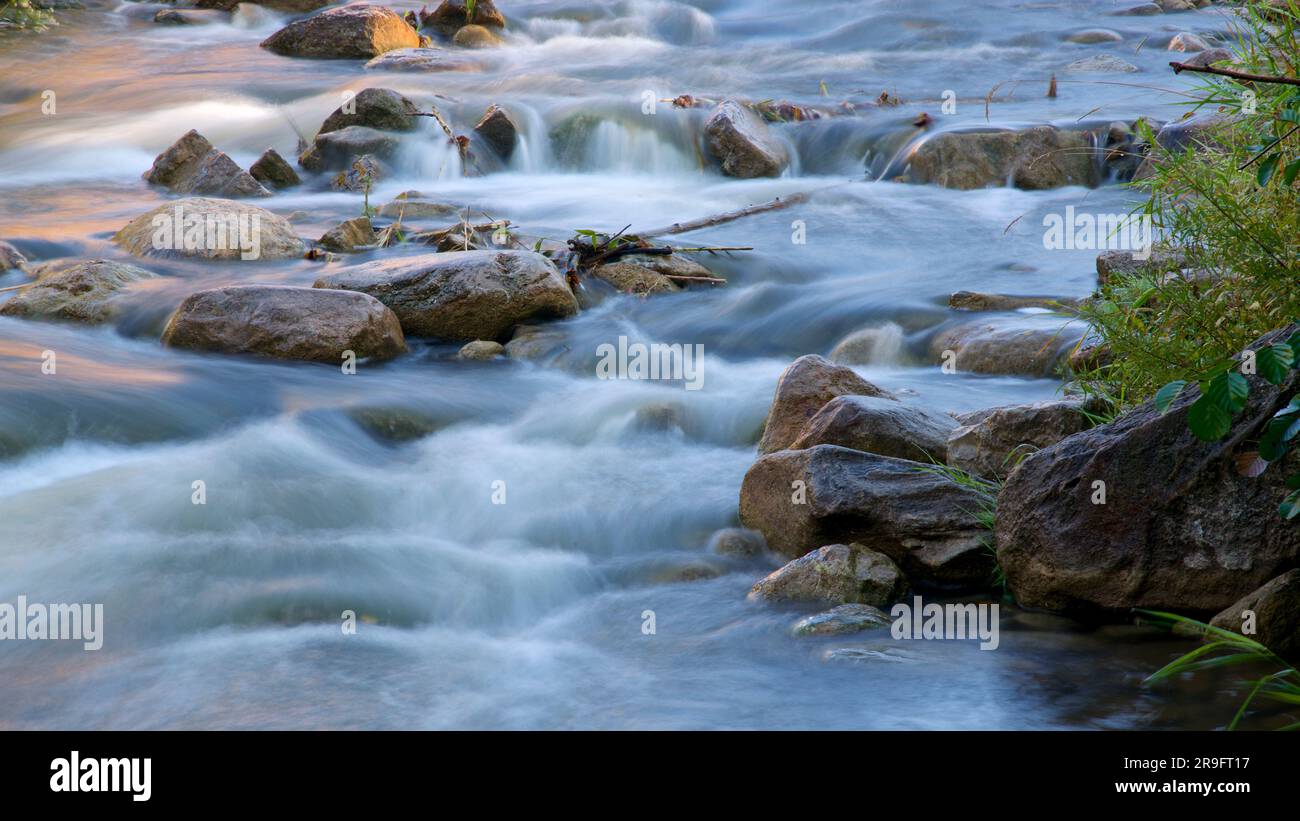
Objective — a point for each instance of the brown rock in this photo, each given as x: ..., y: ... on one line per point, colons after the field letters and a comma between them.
x: 742, y: 142
x: 802, y: 390
x: 498, y: 131
x: 349, y: 236
x: 274, y: 171
x: 992, y: 441
x: 356, y: 31
x: 1033, y: 159
x: 879, y: 425
x: 451, y: 15
x: 1276, y: 615
x: 836, y: 574
x: 76, y: 291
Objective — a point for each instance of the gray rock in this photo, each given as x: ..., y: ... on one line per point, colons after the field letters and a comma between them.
x: 336, y: 150
x: 739, y: 542
x: 975, y: 301
x: 836, y: 574
x: 1186, y: 41
x: 273, y: 171
x: 533, y: 343
x: 498, y: 131
x: 1180, y: 530
x: 1276, y: 620
x: 362, y: 174
x: 414, y: 205
x: 74, y: 291
x: 992, y: 441
x: 357, y: 31
x: 742, y: 142
x: 879, y: 425
x: 801, y: 499
x: 1093, y: 36
x: 422, y: 59
x: 802, y: 390
x: 349, y: 236
x: 846, y: 618
x: 631, y: 278
x: 192, y: 166
x: 379, y: 108
x: 462, y: 295
x: 190, y: 17
x: 286, y: 322
x: 1009, y: 347
x: 230, y: 227
x: 1111, y: 264
x: 870, y: 346
x: 1208, y: 57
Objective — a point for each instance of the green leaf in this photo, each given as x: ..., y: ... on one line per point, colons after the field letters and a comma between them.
x: 1274, y: 361
x: 1229, y: 391
x: 1290, y: 172
x: 1166, y: 395
x: 1272, y: 444
x: 1293, y: 482
x: 1290, y: 507
x: 1266, y: 169
x: 1208, y: 420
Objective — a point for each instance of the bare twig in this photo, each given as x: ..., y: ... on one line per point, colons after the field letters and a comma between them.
x: 1179, y: 68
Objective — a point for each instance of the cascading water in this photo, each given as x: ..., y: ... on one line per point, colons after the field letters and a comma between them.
x: 374, y: 492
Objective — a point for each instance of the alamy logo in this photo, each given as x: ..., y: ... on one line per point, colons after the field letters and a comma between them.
x: 1098, y: 232
x: 230, y: 231
x: 51, y: 622
x: 77, y: 774
x: 657, y: 360
x: 919, y: 620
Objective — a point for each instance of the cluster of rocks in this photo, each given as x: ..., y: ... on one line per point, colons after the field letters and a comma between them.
x: 193, y: 166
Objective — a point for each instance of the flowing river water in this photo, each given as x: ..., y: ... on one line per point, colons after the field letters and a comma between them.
x: 526, y: 614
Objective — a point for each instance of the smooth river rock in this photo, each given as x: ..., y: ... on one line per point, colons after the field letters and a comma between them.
x: 803, y: 389
x: 229, y: 230
x: 286, y: 322
x: 1033, y: 159
x: 75, y: 291
x: 462, y: 295
x: 879, y: 425
x: 743, y: 143
x: 357, y: 32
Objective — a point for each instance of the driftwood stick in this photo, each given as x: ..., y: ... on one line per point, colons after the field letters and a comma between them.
x: 730, y: 216
x: 696, y: 279
x: 1179, y: 68
x: 19, y: 287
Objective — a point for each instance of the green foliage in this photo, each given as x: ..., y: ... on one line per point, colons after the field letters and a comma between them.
x: 1225, y: 648
x: 470, y: 8
x: 985, y: 511
x: 1230, y: 202
x: 24, y: 14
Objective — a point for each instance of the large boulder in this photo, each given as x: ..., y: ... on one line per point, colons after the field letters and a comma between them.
x: 336, y: 150
x: 1032, y: 159
x: 210, y: 229
x: 1014, y: 347
x: 451, y: 15
x: 992, y: 441
x: 836, y: 574
x: 286, y: 322
x: 1180, y: 528
x: 379, y: 108
x: 462, y: 295
x: 357, y: 31
x: 802, y: 499
x: 742, y: 142
x: 192, y: 166
x: 77, y: 291
x: 879, y: 425
x: 802, y: 390
x: 1273, y: 611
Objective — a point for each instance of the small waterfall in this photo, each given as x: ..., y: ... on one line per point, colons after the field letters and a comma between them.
x: 533, y: 150
x: 614, y: 146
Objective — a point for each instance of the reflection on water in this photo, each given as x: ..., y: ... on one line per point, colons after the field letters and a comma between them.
x: 374, y: 492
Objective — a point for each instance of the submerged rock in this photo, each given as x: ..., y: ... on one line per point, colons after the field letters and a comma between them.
x: 74, y: 291
x: 634, y: 279
x: 801, y: 499
x: 846, y: 618
x: 1092, y: 36
x: 739, y: 542
x: 1006, y: 347
x: 356, y: 31
x: 974, y: 301
x: 462, y: 295
x: 742, y: 142
x: 422, y: 59
x: 192, y: 166
x: 190, y: 17
x: 803, y: 389
x: 837, y: 574
x: 879, y: 425
x: 286, y: 322
x: 870, y: 346
x: 1033, y: 159
x: 274, y: 171
x: 1101, y: 63
x: 1186, y: 41
x: 992, y: 441
x: 1141, y: 513
x: 209, y: 228
x: 481, y: 349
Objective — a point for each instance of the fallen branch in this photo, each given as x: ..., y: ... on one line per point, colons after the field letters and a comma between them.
x: 18, y: 287
x: 695, y: 279
x: 1179, y: 68
x: 730, y: 216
